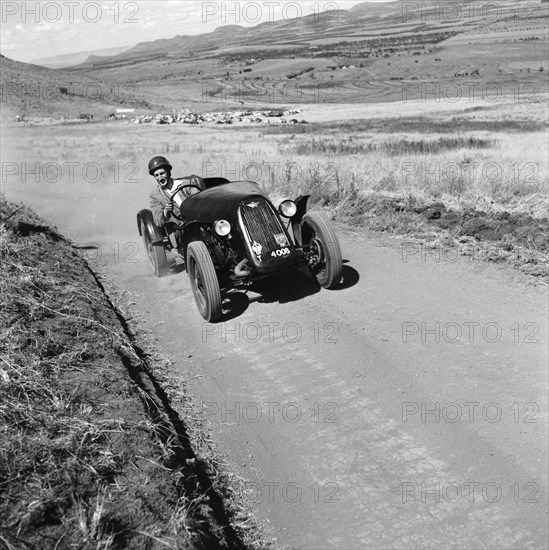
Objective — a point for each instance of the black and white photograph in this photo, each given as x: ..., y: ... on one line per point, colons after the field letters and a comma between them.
x: 274, y: 275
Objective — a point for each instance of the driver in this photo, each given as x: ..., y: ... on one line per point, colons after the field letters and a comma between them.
x: 162, y: 198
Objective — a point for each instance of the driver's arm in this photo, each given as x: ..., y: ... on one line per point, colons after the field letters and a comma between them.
x: 158, y: 211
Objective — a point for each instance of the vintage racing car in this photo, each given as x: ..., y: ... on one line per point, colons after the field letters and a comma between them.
x: 232, y: 234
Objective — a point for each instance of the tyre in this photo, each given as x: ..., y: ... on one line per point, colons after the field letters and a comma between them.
x: 151, y: 233
x: 325, y: 260
x: 204, y: 283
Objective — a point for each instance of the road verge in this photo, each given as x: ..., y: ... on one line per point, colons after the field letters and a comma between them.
x: 94, y: 454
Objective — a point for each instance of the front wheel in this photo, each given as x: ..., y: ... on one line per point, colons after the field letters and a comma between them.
x: 204, y: 283
x: 322, y: 249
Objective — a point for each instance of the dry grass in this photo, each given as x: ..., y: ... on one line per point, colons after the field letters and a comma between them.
x: 490, y: 159
x: 500, y: 172
x: 422, y: 125
x: 496, y: 168
x: 353, y: 146
x: 55, y: 457
x: 84, y: 463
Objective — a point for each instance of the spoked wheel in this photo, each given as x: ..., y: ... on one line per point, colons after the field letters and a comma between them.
x: 204, y: 283
x: 322, y: 249
x: 156, y: 253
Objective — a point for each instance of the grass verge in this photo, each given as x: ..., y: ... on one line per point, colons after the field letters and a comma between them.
x: 93, y: 454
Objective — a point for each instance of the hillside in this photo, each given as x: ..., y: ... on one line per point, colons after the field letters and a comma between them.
x: 370, y: 53
x: 31, y: 90
x: 384, y: 52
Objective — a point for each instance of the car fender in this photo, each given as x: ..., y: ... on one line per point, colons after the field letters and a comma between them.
x: 192, y: 231
x: 301, y: 203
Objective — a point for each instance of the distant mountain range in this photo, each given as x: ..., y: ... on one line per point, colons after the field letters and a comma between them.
x: 70, y: 59
x: 359, y: 22
x: 363, y: 22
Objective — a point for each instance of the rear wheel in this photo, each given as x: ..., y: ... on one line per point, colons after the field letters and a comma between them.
x: 157, y: 255
x: 204, y: 282
x: 324, y: 252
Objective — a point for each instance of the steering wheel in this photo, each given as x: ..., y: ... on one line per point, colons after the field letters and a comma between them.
x: 177, y: 189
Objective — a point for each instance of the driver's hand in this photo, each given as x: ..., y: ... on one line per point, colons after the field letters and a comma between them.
x: 168, y: 209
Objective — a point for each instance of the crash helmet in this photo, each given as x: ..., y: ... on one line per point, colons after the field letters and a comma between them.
x: 158, y: 162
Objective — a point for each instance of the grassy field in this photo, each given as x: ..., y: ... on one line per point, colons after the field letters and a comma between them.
x: 461, y: 159
x: 380, y: 172
x: 502, y: 164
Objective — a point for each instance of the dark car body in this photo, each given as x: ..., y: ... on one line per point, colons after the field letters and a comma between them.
x: 258, y: 234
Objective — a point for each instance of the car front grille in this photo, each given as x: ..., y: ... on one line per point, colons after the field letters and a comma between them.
x: 261, y: 223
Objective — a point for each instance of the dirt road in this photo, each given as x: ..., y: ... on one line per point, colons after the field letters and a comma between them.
x: 406, y: 410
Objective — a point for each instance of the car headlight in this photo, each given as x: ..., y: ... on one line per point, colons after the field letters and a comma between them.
x: 287, y: 208
x: 222, y: 228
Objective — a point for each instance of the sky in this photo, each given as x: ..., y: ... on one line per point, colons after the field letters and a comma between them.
x: 41, y: 29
